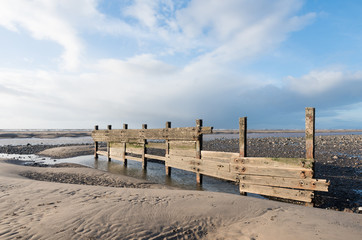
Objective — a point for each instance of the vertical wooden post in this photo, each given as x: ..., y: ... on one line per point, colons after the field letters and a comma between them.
x: 109, y: 127
x: 310, y: 139
x: 243, y: 141
x: 242, y: 136
x: 144, y: 159
x: 125, y: 126
x: 167, y: 168
x: 96, y: 146
x: 199, y: 148
x: 310, y: 132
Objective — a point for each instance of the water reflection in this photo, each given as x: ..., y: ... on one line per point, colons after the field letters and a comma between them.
x: 155, y: 173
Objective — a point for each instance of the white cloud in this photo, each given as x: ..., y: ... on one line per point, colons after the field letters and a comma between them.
x: 44, y: 22
x: 215, y: 30
x: 317, y: 82
x: 61, y: 21
x: 208, y: 35
x: 240, y: 30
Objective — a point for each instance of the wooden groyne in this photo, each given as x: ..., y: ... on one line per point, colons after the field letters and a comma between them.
x: 289, y: 178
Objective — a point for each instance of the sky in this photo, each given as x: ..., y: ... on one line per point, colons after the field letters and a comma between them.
x: 76, y: 64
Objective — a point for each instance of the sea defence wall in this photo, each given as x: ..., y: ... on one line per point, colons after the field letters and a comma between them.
x: 288, y: 178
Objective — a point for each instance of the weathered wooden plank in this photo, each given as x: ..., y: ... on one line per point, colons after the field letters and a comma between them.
x: 307, y: 184
x: 222, y: 155
x: 261, y: 161
x: 144, y: 149
x: 119, y: 135
x: 219, y: 156
x: 275, y: 162
x: 186, y: 153
x: 205, y: 165
x: 116, y: 144
x: 201, y: 164
x: 109, y: 127
x: 196, y: 166
x: 242, y: 136
x: 167, y: 151
x: 272, y: 171
x: 299, y: 195
x: 134, y: 150
x: 161, y: 158
x: 96, y: 145
x: 156, y: 145
x: 183, y: 145
x: 138, y: 145
x: 117, y: 152
x: 310, y: 132
x: 123, y: 154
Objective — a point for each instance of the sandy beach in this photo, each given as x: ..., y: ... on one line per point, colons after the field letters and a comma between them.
x: 134, y: 209
x: 70, y: 201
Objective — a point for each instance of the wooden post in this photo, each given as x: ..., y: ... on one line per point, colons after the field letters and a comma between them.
x: 109, y: 127
x: 125, y: 126
x: 167, y: 168
x: 199, y: 148
x: 310, y: 139
x: 96, y: 146
x: 242, y: 136
x: 243, y: 141
x: 310, y: 132
x: 144, y: 159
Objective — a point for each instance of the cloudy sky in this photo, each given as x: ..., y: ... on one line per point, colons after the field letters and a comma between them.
x: 75, y: 64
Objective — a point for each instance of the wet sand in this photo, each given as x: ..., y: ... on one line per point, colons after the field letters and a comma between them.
x: 32, y: 209
x: 74, y: 202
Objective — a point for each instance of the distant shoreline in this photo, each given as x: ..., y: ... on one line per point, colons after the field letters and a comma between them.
x: 86, y: 133
x: 235, y: 131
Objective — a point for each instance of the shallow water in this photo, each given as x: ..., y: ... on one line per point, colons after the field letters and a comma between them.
x: 45, y: 141
x: 155, y: 172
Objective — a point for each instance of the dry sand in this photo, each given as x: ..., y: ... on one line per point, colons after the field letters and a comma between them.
x: 31, y: 209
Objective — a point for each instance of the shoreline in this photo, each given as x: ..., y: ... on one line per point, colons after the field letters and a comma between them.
x: 52, y: 210
x: 338, y: 159
x: 46, y: 134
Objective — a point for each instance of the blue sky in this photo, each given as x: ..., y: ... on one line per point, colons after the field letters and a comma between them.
x: 75, y: 64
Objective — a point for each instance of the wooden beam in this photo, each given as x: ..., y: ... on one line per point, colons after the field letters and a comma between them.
x: 300, y: 173
x: 243, y: 136
x: 167, y: 148
x: 122, y: 135
x: 157, y: 157
x: 310, y: 132
x: 198, y: 148
x: 299, y: 195
x: 243, y: 141
x: 96, y: 145
x: 125, y: 127
x: 156, y: 145
x: 109, y: 127
x: 144, y: 150
x: 310, y: 136
x: 297, y: 163
x: 306, y: 184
